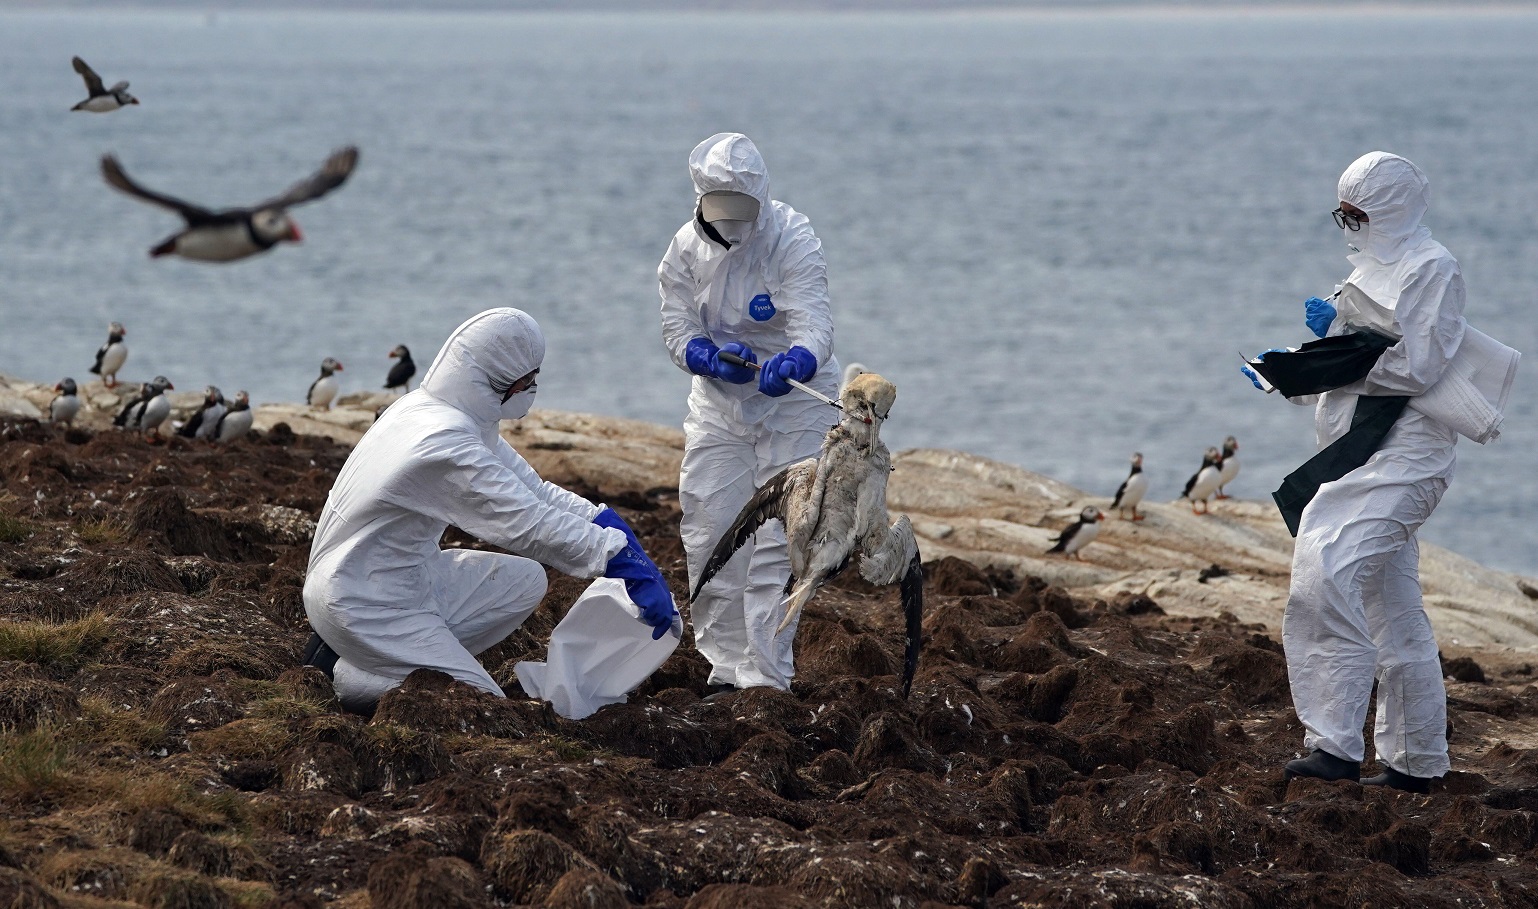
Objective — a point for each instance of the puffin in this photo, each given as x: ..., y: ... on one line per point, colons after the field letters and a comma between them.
x: 149, y: 409
x: 833, y: 507
x: 1229, y: 468
x: 401, y: 373
x: 324, y: 389
x: 101, y: 100
x: 1204, y: 482
x: 203, y: 423
x: 236, y: 421
x: 229, y: 234
x: 1131, y: 491
x: 111, y: 356
x: 1079, y: 534
x: 65, y: 405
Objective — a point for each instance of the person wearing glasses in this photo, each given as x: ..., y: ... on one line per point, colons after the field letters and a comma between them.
x: 1354, y: 614
x: 744, y: 279
x: 382, y: 597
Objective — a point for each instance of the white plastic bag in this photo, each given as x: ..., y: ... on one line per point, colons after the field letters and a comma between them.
x: 599, y: 653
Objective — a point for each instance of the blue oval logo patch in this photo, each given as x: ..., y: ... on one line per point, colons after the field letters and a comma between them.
x: 761, y: 308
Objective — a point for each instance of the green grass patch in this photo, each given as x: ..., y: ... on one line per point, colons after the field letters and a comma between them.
x: 33, y: 765
x: 67, y: 646
x: 14, y: 529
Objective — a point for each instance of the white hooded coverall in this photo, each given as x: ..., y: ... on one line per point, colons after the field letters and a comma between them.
x: 379, y: 590
x: 770, y: 292
x: 1354, y: 610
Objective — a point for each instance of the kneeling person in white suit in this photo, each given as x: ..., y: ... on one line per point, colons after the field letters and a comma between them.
x: 382, y: 597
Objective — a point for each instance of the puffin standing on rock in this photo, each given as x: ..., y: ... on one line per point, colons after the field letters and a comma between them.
x: 101, y: 100
x: 201, y: 425
x: 235, y: 233
x: 833, y: 507
x: 65, y: 405
x: 1078, y: 535
x: 323, y: 390
x: 400, y: 375
x: 236, y: 421
x: 1228, y: 468
x: 1205, y: 481
x: 146, y: 412
x: 111, y: 356
x: 1131, y: 491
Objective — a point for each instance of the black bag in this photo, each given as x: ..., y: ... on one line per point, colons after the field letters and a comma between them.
x: 1325, y: 364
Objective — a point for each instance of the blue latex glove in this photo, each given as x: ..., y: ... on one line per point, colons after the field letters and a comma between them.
x: 797, y: 363
x: 1250, y: 373
x: 647, y: 589
x: 1318, y: 315
x: 608, y: 517
x: 701, y: 356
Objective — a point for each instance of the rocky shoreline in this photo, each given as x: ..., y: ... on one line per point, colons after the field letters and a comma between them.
x: 1105, y: 733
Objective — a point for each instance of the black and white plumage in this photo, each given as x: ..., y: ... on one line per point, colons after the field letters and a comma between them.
x: 111, y: 356
x: 1229, y: 468
x: 1131, y: 491
x: 833, y: 507
x: 235, y: 233
x: 236, y: 421
x: 1079, y: 534
x: 65, y: 405
x: 147, y: 411
x: 323, y: 390
x: 203, y: 423
x: 101, y: 100
x: 1204, y: 482
x: 401, y: 373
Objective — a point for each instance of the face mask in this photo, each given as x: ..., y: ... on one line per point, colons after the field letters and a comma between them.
x: 517, y: 406
x: 1356, y: 240
x: 733, y: 232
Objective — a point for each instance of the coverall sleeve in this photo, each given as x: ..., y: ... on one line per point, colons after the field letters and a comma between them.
x: 550, y: 493
x: 1430, y: 317
x: 681, y: 322
x: 803, y: 290
x: 462, y: 482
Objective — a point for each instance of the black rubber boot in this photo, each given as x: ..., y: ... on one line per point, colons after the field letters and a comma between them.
x: 1403, y: 781
x: 1323, y: 765
x: 319, y: 654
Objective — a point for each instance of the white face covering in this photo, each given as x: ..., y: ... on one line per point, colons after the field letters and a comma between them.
x: 517, y: 406
x: 733, y: 232
x: 1356, y: 240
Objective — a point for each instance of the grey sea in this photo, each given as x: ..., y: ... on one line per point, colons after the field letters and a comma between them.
x: 1053, y: 230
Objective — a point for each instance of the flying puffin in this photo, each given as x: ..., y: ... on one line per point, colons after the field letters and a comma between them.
x: 833, y: 507
x: 149, y: 409
x: 1078, y: 535
x: 201, y: 425
x: 1204, y: 482
x: 101, y: 100
x: 1131, y: 491
x: 401, y: 373
x: 235, y: 233
x: 111, y: 356
x: 324, y: 389
x: 65, y: 405
x: 1229, y: 468
x: 236, y: 421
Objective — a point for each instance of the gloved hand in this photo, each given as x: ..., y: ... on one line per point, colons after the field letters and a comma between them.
x: 608, y: 517
x: 797, y: 363
x: 647, y: 589
x: 701, y: 356
x: 1318, y: 314
x: 1250, y: 373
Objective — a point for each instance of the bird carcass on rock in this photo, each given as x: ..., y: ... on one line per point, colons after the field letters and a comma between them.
x: 834, y: 506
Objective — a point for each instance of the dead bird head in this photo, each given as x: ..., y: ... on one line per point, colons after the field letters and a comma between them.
x: 867, y: 399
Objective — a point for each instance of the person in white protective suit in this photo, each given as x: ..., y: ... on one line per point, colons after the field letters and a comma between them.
x: 745, y: 276
x: 381, y: 595
x: 1354, y: 612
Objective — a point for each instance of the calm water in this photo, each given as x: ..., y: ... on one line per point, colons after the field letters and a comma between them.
x: 1052, y: 231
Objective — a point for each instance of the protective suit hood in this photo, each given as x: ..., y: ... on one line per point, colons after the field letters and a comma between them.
x: 489, y: 351
x: 1394, y: 194
x: 730, y: 162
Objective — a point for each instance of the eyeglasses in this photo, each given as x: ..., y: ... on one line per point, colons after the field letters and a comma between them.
x: 1347, y: 221
x: 518, y: 387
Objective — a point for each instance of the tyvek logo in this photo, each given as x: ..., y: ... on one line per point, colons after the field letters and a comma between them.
x: 761, y: 308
